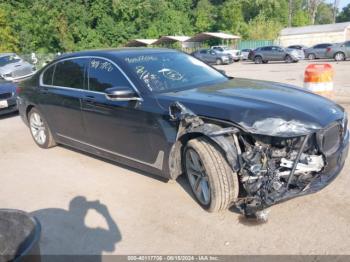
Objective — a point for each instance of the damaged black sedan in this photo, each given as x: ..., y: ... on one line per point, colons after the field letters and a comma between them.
x: 240, y: 142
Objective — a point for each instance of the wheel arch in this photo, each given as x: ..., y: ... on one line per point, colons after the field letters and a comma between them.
x: 224, y: 144
x: 28, y: 109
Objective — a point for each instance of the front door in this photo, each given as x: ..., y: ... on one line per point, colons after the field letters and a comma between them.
x: 123, y: 128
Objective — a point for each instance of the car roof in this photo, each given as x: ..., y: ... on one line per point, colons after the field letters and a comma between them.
x: 118, y: 51
x: 6, y: 54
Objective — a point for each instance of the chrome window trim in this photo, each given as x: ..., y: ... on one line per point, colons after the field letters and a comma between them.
x: 86, y: 90
x: 158, y: 163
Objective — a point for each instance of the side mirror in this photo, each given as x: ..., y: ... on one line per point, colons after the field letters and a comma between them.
x: 121, y: 94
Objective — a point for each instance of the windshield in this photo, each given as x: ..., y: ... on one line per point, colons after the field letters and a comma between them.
x: 9, y: 59
x: 168, y: 72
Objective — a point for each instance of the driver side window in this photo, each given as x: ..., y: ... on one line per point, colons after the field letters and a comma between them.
x: 103, y: 74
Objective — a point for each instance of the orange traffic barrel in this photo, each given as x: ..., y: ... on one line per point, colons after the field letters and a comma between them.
x: 319, y: 79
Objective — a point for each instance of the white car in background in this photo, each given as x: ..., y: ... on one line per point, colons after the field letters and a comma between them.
x: 245, y: 53
x: 236, y: 54
x: 12, y: 67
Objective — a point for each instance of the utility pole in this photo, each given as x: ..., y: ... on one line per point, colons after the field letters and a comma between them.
x: 335, y: 9
x: 290, y: 11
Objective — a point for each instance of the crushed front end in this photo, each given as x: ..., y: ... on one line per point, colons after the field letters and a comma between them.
x: 274, y: 169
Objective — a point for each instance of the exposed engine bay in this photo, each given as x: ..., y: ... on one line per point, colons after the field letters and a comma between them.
x: 268, y: 168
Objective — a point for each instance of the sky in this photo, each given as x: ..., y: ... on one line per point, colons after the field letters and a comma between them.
x: 342, y: 3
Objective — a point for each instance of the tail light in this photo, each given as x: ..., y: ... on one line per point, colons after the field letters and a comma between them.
x: 18, y: 90
x: 328, y: 49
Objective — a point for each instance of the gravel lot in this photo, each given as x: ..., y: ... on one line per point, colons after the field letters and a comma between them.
x: 138, y: 213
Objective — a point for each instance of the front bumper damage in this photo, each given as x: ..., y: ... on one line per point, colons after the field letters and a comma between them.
x: 276, y: 167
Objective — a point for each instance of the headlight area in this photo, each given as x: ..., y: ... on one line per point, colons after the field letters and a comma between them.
x: 272, y: 167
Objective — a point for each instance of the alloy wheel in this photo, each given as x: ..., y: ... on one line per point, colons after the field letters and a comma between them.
x: 197, y: 177
x: 339, y: 57
x: 37, y: 127
x: 311, y: 57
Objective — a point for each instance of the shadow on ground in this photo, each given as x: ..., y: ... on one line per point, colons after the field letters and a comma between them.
x: 65, y: 235
x: 9, y: 115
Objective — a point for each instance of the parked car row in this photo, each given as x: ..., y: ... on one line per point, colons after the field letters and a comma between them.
x: 338, y: 51
x: 294, y: 53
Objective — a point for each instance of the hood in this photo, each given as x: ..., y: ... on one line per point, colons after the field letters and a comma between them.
x: 7, y: 87
x: 6, y: 69
x: 259, y: 106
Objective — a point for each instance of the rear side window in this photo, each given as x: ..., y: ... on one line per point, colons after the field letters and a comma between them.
x: 266, y: 48
x: 70, y: 73
x: 203, y: 51
x: 103, y: 74
x: 48, y: 74
x: 347, y: 44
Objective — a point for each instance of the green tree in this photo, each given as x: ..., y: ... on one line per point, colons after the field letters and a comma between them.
x: 324, y: 14
x: 8, y: 41
x: 204, y: 15
x: 344, y: 15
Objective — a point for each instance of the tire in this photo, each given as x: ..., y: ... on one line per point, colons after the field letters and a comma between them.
x: 311, y: 56
x: 216, y: 174
x: 258, y: 60
x: 288, y: 59
x: 218, y: 61
x: 339, y: 56
x: 237, y: 60
x: 40, y: 130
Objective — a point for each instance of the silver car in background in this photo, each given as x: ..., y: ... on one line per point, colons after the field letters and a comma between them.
x: 13, y: 67
x: 276, y: 53
x: 339, y: 52
x: 235, y: 54
x: 317, y: 51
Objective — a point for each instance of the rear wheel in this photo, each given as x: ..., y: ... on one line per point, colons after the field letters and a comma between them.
x: 212, y: 180
x: 340, y: 56
x: 311, y: 56
x: 40, y: 130
x: 258, y: 60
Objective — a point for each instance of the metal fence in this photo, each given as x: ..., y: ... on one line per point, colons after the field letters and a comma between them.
x: 252, y: 44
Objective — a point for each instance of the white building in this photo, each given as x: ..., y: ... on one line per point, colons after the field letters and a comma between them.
x: 315, y: 34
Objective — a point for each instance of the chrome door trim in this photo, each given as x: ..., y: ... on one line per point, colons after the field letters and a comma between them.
x: 158, y: 163
x: 87, y: 90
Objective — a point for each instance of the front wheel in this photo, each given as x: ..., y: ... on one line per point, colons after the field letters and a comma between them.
x: 212, y: 180
x: 218, y: 61
x: 40, y: 130
x: 258, y: 60
x: 288, y: 59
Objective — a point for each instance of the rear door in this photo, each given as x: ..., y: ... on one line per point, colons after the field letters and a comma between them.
x: 61, y: 89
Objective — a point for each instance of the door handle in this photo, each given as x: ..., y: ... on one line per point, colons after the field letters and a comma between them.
x: 89, y: 99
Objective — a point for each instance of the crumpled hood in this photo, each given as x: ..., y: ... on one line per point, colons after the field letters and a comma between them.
x: 7, y: 87
x: 259, y: 106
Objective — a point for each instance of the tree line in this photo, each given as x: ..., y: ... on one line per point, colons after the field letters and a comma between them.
x: 63, y: 25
